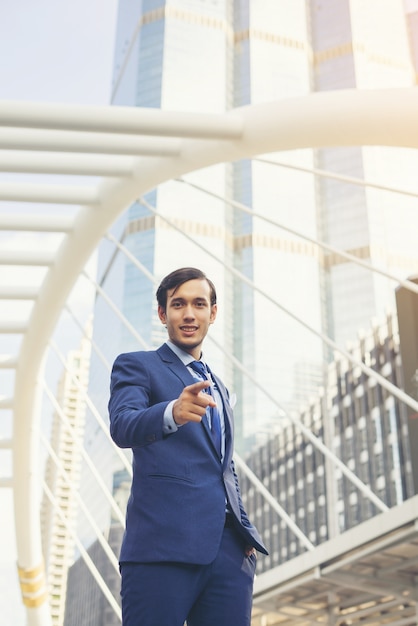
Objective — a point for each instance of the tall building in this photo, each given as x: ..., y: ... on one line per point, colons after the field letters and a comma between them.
x: 62, y: 477
x: 215, y: 55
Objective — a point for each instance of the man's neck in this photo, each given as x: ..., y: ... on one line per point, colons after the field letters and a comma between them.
x: 184, y: 356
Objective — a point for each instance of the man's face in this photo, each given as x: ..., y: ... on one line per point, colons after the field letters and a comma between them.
x: 188, y: 315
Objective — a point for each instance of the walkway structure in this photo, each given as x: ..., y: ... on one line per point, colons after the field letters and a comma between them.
x: 125, y: 153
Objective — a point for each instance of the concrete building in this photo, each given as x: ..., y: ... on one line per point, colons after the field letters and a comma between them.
x: 366, y: 428
x: 62, y: 477
x: 86, y: 603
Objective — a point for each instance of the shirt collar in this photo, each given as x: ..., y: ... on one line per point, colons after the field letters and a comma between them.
x: 185, y: 357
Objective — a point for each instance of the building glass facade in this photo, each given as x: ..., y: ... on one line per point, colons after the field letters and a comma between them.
x: 364, y: 426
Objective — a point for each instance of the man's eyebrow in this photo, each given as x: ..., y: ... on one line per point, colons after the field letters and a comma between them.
x: 197, y: 299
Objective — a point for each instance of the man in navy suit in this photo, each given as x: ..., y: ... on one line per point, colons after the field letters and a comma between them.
x: 189, y: 549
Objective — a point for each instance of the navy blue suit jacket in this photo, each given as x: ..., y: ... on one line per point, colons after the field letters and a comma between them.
x: 176, y: 510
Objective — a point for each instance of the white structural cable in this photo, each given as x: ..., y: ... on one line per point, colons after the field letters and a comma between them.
x: 408, y: 284
x: 398, y: 393
x: 315, y: 441
x: 75, y: 493
x: 272, y: 502
x: 340, y: 177
x: 93, y: 344
x: 104, y: 427
x: 117, y: 312
x: 132, y: 258
x: 86, y: 457
x: 84, y: 555
x: 127, y: 56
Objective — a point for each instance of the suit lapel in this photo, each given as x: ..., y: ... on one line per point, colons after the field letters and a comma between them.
x: 177, y: 366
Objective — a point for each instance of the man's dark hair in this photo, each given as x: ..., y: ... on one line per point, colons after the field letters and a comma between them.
x: 177, y: 278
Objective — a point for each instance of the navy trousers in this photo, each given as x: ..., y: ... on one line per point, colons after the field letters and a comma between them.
x: 170, y: 594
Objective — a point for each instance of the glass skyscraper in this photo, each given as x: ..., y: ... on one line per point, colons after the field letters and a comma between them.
x: 216, y: 55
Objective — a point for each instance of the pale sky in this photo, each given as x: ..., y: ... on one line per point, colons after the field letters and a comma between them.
x: 50, y: 51
x: 57, y: 51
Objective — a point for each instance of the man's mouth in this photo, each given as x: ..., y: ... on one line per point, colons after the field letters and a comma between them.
x: 188, y: 329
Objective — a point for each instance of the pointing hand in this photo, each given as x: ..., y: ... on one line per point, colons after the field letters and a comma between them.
x: 191, y: 405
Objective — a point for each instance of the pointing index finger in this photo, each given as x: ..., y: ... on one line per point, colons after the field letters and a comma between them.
x: 199, y: 386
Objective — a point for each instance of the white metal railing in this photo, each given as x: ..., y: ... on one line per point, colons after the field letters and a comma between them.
x: 340, y: 177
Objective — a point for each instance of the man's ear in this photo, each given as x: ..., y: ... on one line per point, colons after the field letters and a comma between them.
x: 213, y: 312
x: 161, y: 314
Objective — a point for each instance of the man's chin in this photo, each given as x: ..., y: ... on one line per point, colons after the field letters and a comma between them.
x: 188, y: 346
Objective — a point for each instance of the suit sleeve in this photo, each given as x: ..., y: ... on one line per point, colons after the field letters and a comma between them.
x: 134, y: 420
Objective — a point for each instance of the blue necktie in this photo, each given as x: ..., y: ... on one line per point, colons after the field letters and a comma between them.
x: 215, y: 421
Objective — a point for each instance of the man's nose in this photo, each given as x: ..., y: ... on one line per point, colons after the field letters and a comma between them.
x: 189, y: 312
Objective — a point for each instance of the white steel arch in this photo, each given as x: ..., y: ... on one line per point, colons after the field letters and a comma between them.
x: 150, y: 147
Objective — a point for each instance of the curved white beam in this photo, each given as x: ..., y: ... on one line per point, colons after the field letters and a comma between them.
x: 384, y: 117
